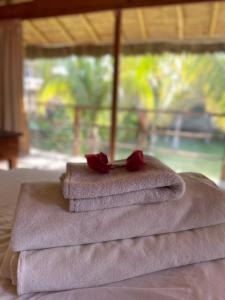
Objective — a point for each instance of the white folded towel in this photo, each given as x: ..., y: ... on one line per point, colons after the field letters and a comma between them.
x: 90, y: 265
x: 42, y: 219
x: 89, y: 190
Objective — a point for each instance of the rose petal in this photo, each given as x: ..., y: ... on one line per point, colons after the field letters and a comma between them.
x: 103, y: 157
x: 98, y: 162
x: 135, y: 161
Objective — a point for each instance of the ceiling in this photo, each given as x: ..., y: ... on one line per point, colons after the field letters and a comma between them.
x: 189, y: 26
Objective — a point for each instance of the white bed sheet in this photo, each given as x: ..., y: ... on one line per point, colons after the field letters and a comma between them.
x: 204, y: 281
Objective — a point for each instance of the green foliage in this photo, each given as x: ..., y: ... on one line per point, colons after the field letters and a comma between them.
x: 167, y: 81
x: 53, y: 131
x: 78, y: 81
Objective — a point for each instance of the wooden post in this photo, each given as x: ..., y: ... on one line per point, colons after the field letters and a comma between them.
x: 222, y: 178
x: 76, y: 136
x: 116, y: 54
x: 177, y: 130
x: 223, y: 173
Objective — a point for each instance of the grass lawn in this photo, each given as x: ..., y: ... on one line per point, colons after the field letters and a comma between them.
x: 209, y: 167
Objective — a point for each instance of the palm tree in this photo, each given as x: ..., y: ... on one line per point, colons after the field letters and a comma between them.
x: 150, y: 82
x: 81, y: 82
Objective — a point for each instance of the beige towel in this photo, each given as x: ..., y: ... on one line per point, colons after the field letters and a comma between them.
x: 42, y: 220
x: 89, y: 190
x: 96, y: 264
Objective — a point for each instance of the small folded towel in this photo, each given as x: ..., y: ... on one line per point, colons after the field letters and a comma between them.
x: 145, y: 196
x: 88, y: 190
x: 42, y: 219
x: 90, y: 265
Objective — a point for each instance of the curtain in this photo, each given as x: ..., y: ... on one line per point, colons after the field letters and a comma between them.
x: 12, y: 116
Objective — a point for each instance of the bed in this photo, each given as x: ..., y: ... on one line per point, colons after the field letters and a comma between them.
x: 200, y: 281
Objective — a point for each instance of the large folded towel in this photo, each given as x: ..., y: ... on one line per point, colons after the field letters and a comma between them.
x: 42, y: 220
x: 88, y: 190
x: 72, y: 267
x: 8, y: 267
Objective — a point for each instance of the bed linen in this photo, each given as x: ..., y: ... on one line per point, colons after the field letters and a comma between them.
x: 195, y: 282
x: 43, y: 221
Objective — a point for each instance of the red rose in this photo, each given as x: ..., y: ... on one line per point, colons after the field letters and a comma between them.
x: 98, y: 162
x: 135, y: 161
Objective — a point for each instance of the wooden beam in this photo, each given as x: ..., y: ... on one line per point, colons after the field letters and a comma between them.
x: 12, y: 2
x: 214, y: 19
x: 123, y: 36
x: 89, y: 27
x: 38, y: 32
x: 65, y: 31
x: 116, y: 53
x: 222, y: 177
x: 51, y: 8
x: 223, y: 173
x: 142, y: 24
x: 180, y: 21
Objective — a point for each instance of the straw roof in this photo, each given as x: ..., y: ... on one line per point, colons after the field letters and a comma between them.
x: 193, y: 27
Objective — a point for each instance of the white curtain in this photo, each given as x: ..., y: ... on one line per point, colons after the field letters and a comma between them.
x: 11, y: 76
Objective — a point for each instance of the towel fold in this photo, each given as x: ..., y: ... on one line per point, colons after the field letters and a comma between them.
x: 146, y: 196
x: 97, y: 264
x: 42, y: 220
x: 8, y: 267
x: 89, y: 190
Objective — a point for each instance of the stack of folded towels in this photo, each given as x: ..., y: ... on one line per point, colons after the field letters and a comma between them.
x: 120, y: 225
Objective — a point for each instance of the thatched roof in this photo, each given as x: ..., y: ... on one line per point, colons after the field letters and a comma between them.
x: 193, y: 27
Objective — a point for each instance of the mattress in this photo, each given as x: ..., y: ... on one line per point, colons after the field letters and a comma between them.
x: 199, y: 281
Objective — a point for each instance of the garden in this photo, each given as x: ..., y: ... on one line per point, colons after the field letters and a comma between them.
x: 170, y: 105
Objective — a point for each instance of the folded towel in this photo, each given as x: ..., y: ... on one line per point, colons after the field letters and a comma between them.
x: 96, y: 264
x: 9, y: 265
x: 92, y: 191
x: 42, y: 219
x: 146, y: 196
